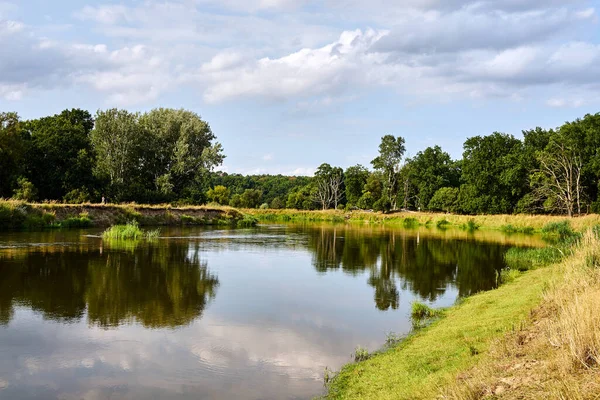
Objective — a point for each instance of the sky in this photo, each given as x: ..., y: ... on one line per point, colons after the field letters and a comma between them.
x: 289, y: 84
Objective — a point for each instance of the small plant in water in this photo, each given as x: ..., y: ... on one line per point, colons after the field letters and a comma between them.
x: 420, y: 311
x: 392, y: 339
x: 361, y: 354
x: 129, y: 231
x: 328, y: 375
x: 470, y: 226
x: 442, y: 223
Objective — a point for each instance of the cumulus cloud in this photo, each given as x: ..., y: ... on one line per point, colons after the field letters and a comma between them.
x: 430, y: 49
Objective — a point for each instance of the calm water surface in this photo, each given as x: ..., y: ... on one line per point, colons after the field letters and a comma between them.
x: 216, y: 314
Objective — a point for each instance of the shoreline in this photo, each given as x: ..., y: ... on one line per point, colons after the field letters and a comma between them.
x: 503, y: 343
x: 517, y: 223
x: 17, y: 215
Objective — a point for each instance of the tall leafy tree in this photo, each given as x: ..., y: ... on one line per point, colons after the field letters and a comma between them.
x: 391, y: 151
x: 120, y: 144
x: 493, y: 174
x: 431, y: 170
x: 12, y: 152
x: 355, y: 179
x: 61, y: 153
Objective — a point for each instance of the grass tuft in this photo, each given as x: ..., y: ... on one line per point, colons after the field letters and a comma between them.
x: 420, y: 311
x: 129, y: 231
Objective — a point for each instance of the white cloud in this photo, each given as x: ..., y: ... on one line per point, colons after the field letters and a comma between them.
x: 268, y: 157
x: 324, y: 70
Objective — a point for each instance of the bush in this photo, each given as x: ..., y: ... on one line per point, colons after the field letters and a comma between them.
x: 25, y: 190
x: 444, y: 200
x: 77, y: 196
x: 264, y: 206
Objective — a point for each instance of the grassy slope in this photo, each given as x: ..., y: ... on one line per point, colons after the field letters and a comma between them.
x: 432, y: 358
x: 494, y: 222
x: 19, y: 215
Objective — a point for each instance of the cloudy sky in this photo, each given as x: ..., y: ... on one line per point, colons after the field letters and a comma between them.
x: 289, y: 84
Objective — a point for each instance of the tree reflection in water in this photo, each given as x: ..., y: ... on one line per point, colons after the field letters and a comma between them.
x: 425, y: 266
x: 156, y: 286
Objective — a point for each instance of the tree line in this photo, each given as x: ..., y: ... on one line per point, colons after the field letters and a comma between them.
x: 167, y: 155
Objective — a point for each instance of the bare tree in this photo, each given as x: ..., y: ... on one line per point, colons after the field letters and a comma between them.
x: 558, y: 181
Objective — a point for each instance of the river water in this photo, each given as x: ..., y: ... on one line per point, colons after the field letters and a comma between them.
x: 219, y: 313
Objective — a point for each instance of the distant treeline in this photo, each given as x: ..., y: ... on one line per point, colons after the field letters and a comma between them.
x: 168, y: 155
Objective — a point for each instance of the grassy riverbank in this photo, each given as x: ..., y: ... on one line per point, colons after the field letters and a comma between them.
x: 21, y: 215
x: 507, y: 223
x: 537, y: 336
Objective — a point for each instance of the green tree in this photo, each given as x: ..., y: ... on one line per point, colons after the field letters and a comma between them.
x: 119, y: 143
x: 25, y: 190
x: 494, y: 174
x: 251, y: 198
x: 180, y: 147
x: 391, y: 151
x: 355, y: 179
x: 431, y: 170
x: 219, y: 194
x: 444, y: 199
x: 12, y: 152
x: 61, y: 153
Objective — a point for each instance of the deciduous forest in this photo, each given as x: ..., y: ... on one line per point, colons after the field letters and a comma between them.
x: 170, y: 156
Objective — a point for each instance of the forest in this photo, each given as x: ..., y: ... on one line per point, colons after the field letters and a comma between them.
x: 170, y: 156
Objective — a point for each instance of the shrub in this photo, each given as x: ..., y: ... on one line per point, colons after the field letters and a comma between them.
x: 25, y: 190
x: 421, y: 311
x: 77, y: 196
x: 444, y: 200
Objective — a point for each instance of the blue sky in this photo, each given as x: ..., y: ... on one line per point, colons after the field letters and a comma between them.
x: 289, y: 84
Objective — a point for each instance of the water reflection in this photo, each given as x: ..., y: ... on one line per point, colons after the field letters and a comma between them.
x: 82, y: 318
x: 157, y: 286
x: 426, y: 266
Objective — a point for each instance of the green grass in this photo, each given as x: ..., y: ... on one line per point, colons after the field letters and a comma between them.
x: 470, y: 225
x: 433, y: 356
x: 247, y: 222
x: 410, y: 223
x: 420, y: 311
x: 560, y: 232
x: 521, y: 259
x: 527, y: 230
x: 129, y: 231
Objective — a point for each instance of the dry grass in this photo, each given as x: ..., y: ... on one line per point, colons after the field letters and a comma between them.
x: 492, y: 222
x: 556, y: 355
x: 16, y: 214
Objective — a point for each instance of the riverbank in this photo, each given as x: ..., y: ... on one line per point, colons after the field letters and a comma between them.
x: 507, y: 223
x: 537, y: 336
x: 21, y: 215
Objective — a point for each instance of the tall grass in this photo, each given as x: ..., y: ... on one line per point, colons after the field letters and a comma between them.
x: 575, y: 328
x: 521, y: 259
x: 562, y: 339
x: 129, y: 231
